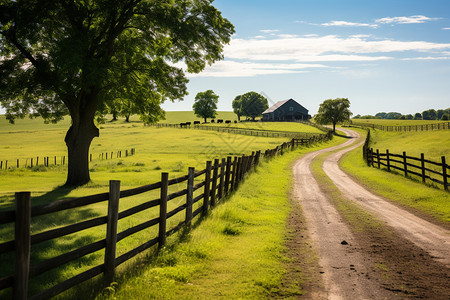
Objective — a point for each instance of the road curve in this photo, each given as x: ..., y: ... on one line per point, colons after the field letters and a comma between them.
x: 345, y: 274
x: 432, y: 238
x: 342, y: 264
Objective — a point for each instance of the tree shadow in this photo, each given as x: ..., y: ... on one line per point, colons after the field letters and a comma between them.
x: 46, y: 250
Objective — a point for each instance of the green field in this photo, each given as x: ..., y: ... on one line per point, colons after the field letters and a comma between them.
x: 272, y: 126
x: 157, y: 150
x: 433, y: 144
x: 175, y: 117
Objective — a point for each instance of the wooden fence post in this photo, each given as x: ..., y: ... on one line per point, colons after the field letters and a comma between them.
x: 422, y: 165
x: 371, y: 156
x: 163, y: 210
x: 388, y: 161
x: 238, y: 172
x: 111, y: 229
x: 378, y: 158
x: 221, y: 178
x: 189, y: 196
x: 227, y: 175
x: 444, y: 173
x: 404, y: 164
x: 22, y: 243
x: 207, y: 187
x: 233, y: 174
x: 17, y: 163
x: 214, y: 183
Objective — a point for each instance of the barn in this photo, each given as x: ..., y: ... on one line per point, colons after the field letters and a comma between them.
x: 286, y: 110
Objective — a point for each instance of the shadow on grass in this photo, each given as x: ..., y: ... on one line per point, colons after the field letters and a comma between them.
x: 44, y: 251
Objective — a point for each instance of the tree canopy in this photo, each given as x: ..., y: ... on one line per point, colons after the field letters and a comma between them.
x: 205, y: 105
x: 250, y: 104
x: 75, y: 57
x: 334, y: 111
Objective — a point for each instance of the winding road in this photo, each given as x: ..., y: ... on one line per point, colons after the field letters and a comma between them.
x: 346, y: 272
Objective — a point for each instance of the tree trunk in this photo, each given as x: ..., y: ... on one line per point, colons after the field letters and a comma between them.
x: 205, y: 120
x: 334, y: 127
x: 127, y: 118
x: 78, y: 140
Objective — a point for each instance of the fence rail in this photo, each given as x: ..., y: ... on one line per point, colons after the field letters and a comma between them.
x: 47, y: 161
x: 251, y: 132
x: 219, y: 179
x: 437, y: 172
x: 407, y: 128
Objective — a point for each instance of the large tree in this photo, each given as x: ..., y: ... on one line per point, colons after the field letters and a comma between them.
x: 334, y: 111
x: 205, y: 105
x: 252, y: 104
x: 72, y: 56
x: 237, y: 106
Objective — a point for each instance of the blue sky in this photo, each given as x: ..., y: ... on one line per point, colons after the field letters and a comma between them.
x: 382, y: 55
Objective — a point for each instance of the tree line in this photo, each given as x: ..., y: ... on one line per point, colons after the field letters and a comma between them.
x: 430, y: 114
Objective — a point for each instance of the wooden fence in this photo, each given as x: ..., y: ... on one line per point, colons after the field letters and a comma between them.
x: 218, y: 179
x: 251, y: 132
x: 425, y: 127
x: 47, y: 161
x: 437, y: 172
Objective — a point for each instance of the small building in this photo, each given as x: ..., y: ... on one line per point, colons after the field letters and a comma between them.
x: 286, y: 110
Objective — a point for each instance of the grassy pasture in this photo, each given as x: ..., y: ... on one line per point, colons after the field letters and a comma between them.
x: 272, y: 126
x: 174, y: 117
x: 433, y: 144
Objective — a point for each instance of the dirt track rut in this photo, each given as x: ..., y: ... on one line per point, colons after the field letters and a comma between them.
x: 343, y: 264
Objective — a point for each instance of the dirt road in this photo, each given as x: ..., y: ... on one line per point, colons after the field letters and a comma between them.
x: 411, y: 262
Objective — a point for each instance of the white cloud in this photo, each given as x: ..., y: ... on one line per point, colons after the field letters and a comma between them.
x: 228, y: 68
x: 405, y: 20
x: 287, y: 36
x: 446, y: 28
x: 428, y: 58
x: 323, y: 48
x: 348, y: 24
x: 269, y: 30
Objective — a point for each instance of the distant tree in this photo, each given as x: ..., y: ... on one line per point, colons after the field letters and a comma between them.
x: 409, y: 117
x: 65, y: 57
x: 445, y: 117
x: 403, y: 117
x: 429, y: 114
x: 440, y: 113
x: 253, y: 105
x: 382, y: 115
x: 334, y: 111
x: 393, y: 115
x: 358, y: 116
x: 205, y: 104
x: 417, y: 116
x: 237, y: 106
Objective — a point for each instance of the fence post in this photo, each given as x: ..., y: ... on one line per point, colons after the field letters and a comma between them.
x: 227, y: 175
x: 404, y: 164
x: 378, y: 158
x: 22, y: 243
x: 214, y: 183
x: 111, y: 229
x: 189, y: 196
x: 388, y: 162
x: 221, y: 178
x: 444, y: 173
x: 238, y: 172
x: 47, y: 161
x: 233, y: 174
x: 17, y: 163
x: 207, y: 187
x: 371, y: 156
x: 422, y: 164
x: 163, y: 210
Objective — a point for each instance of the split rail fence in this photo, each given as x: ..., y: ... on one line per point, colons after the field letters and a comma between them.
x: 47, y: 161
x: 218, y: 179
x: 251, y: 132
x: 424, y: 127
x: 437, y: 172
